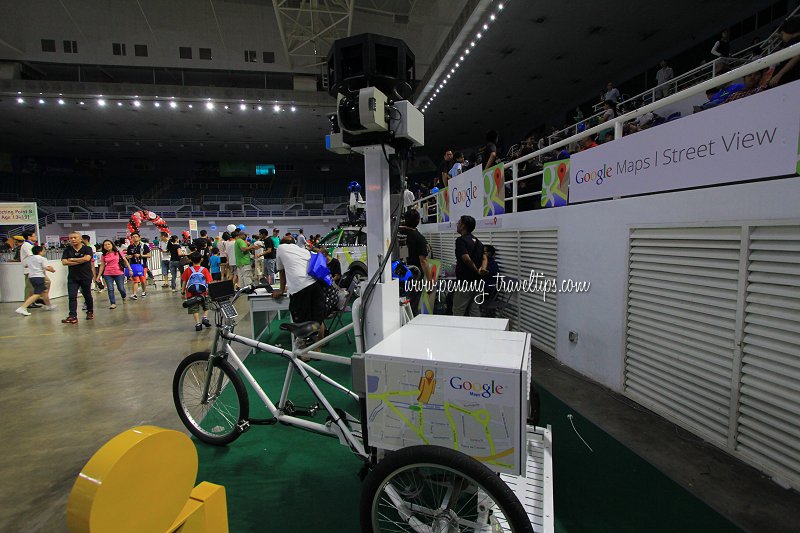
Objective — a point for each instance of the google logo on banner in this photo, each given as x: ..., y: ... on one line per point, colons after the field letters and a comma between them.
x: 597, y: 176
x: 465, y: 195
x: 484, y: 390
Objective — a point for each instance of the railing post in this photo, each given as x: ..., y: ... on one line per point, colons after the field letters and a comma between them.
x: 714, y: 69
x: 618, y: 130
x: 514, y: 175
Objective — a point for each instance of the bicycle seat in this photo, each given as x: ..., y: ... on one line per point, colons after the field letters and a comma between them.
x: 301, y: 329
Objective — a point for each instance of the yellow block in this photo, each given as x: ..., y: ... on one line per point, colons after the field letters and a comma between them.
x: 138, y: 482
x: 205, y: 512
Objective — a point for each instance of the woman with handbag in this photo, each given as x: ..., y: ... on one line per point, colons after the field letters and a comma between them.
x: 112, y: 271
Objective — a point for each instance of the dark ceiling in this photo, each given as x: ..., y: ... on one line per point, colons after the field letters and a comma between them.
x: 537, y: 60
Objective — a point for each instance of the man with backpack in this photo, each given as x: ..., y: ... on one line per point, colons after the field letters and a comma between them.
x: 194, y: 282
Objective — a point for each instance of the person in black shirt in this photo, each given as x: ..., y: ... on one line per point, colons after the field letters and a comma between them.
x: 445, y: 166
x: 789, y: 70
x: 137, y: 253
x: 470, y: 266
x: 417, y: 255
x: 175, y: 252
x: 490, y: 149
x: 80, y: 260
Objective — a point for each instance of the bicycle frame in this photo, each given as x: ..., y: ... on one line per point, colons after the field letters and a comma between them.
x: 221, y: 347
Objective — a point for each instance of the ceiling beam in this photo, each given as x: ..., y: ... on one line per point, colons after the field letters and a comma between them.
x: 276, y: 5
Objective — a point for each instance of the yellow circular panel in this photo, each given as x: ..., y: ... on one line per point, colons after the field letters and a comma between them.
x: 137, y: 482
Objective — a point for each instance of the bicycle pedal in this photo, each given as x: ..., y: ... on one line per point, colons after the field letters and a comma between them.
x: 243, y: 426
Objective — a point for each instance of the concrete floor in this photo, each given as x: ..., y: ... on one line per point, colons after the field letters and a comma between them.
x: 67, y: 389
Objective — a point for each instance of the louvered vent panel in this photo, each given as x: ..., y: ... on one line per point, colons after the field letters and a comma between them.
x: 681, y: 318
x: 768, y: 429
x: 538, y: 254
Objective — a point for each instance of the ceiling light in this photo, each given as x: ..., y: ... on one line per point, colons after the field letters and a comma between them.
x: 485, y: 27
x: 173, y: 105
x: 226, y: 107
x: 500, y: 6
x: 448, y: 76
x: 453, y: 70
x: 472, y: 44
x: 242, y: 107
x: 41, y: 101
x: 101, y: 102
x: 492, y: 17
x: 81, y: 103
x: 461, y: 58
x: 277, y: 108
x: 479, y: 35
x: 294, y: 109
x: 157, y: 104
x: 466, y: 50
x: 20, y: 101
x: 119, y: 104
x: 60, y: 101
x: 137, y: 103
x: 259, y: 108
x: 458, y: 65
x: 209, y: 105
x: 190, y: 106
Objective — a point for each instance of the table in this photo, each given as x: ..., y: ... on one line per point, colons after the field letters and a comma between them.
x: 263, y: 309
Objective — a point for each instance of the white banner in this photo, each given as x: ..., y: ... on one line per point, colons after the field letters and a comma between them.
x: 466, y: 194
x: 18, y: 214
x: 53, y: 239
x: 192, y: 225
x: 754, y: 137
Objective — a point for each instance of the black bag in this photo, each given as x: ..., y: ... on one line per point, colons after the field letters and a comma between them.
x: 121, y: 261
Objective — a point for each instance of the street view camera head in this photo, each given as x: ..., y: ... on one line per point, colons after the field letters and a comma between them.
x: 372, y: 78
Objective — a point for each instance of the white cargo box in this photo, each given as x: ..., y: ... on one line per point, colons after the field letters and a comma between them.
x: 462, y: 388
x: 448, y: 321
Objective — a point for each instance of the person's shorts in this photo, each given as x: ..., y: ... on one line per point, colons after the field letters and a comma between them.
x: 38, y: 285
x: 196, y: 307
x: 142, y: 278
x: 216, y: 276
x: 308, y: 304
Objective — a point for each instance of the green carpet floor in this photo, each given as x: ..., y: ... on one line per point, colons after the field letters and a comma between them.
x: 282, y: 479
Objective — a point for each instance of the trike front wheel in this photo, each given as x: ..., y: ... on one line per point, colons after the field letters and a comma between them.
x: 220, y: 417
x: 438, y: 490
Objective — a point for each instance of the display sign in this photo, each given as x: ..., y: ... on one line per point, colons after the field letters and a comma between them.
x: 443, y: 205
x: 18, y: 214
x: 555, y: 183
x: 494, y: 191
x: 192, y: 225
x: 749, y: 138
x: 465, y: 195
x: 53, y: 239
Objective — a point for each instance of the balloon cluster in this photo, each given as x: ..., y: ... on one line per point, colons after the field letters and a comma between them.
x: 233, y: 227
x: 146, y: 216
x: 354, y: 186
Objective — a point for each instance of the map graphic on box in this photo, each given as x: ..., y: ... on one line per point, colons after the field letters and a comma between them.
x: 474, y: 411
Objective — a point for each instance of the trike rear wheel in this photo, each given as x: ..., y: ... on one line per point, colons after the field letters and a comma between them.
x: 438, y: 490
x: 221, y: 419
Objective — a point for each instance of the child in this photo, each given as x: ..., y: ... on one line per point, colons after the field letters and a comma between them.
x: 214, y: 264
x: 36, y: 265
x: 194, y: 282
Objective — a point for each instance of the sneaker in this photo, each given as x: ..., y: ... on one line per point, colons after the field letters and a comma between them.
x: 198, y: 327
x: 70, y: 320
x: 206, y: 323
x: 49, y: 307
x: 112, y: 306
x: 34, y: 305
x: 174, y: 290
x: 83, y: 307
x: 90, y: 315
x: 22, y: 311
x: 134, y: 297
x: 144, y: 294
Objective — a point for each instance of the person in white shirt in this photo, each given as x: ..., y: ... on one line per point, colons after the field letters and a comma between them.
x: 663, y: 75
x: 25, y: 251
x: 458, y: 166
x: 36, y: 265
x: 408, y: 199
x: 230, y: 251
x: 301, y: 239
x: 612, y: 93
x: 307, y: 300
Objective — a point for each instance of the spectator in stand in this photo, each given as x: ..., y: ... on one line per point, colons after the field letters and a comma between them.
x: 445, y: 166
x: 578, y: 116
x: 112, y: 270
x: 789, y: 70
x: 194, y: 282
x: 163, y: 242
x: 458, y: 166
x: 138, y: 253
x: 587, y: 143
x: 37, y: 266
x: 80, y: 260
x: 722, y: 48
x: 609, y: 112
x: 175, y: 267
x: 490, y: 149
x: 663, y: 75
x: 214, y: 264
x: 612, y: 93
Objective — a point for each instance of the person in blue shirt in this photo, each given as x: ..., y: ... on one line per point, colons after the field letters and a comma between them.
x: 213, y: 264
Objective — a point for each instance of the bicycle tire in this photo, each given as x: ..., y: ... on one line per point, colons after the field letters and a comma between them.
x: 375, y: 502
x: 216, y: 425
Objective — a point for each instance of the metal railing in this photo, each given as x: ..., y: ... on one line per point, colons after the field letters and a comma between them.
x: 168, y: 215
x: 425, y: 204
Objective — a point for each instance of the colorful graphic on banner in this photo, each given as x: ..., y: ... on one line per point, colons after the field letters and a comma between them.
x: 494, y: 191
x: 427, y: 301
x: 555, y: 183
x: 443, y: 206
x: 749, y: 138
